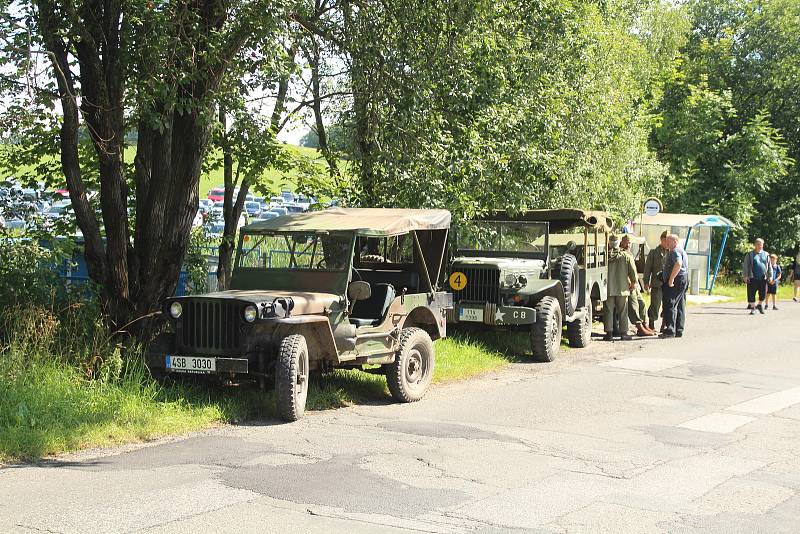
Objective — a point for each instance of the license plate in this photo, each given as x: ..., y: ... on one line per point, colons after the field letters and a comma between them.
x: 470, y: 314
x: 191, y: 364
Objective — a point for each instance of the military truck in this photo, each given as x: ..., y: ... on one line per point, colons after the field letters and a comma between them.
x: 536, y: 270
x: 338, y: 288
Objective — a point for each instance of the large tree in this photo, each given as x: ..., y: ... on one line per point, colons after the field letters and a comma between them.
x: 477, y: 105
x: 114, y: 67
x: 728, y: 123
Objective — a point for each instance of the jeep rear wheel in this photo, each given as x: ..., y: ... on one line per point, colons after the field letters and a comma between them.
x: 579, y: 331
x: 291, y: 377
x: 568, y: 274
x: 546, y: 331
x: 411, y: 372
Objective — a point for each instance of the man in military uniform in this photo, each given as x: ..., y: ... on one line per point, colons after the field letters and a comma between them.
x: 653, y: 281
x: 636, y: 304
x: 621, y: 278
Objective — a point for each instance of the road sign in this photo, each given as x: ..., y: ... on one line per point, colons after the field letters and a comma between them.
x: 652, y: 206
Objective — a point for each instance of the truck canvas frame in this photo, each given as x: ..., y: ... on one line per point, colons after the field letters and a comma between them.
x: 339, y: 288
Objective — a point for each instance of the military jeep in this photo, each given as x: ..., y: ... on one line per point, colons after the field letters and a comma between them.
x: 536, y: 270
x: 339, y: 288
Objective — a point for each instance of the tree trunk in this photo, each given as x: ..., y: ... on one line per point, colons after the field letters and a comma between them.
x: 316, y: 105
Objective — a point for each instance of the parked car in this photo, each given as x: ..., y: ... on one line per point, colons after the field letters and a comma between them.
x: 216, y: 229
x: 294, y: 208
x: 307, y: 295
x: 217, y: 194
x: 280, y: 210
x: 534, y: 271
x: 252, y: 208
x: 205, y: 205
x: 267, y: 215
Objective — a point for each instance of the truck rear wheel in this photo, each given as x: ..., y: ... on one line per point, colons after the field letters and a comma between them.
x: 546, y: 331
x: 411, y: 372
x: 571, y: 281
x: 291, y: 377
x: 579, y: 331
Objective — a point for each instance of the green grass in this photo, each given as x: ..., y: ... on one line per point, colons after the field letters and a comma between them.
x: 49, y: 407
x: 738, y: 292
x: 272, y: 179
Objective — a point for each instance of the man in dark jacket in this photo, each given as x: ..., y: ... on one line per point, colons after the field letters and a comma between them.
x: 652, y: 279
x: 675, y: 278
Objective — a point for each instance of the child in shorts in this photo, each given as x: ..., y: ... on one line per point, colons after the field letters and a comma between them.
x: 772, y: 287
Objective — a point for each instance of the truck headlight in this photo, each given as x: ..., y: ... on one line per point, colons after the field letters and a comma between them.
x: 250, y: 313
x: 175, y: 310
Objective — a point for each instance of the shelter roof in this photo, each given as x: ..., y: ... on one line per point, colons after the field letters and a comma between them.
x: 559, y: 219
x: 363, y: 221
x: 686, y: 220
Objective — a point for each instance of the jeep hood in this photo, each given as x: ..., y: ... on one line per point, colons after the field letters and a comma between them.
x: 305, y: 303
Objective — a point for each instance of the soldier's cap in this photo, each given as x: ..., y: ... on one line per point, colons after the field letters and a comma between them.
x: 613, y: 240
x: 664, y: 234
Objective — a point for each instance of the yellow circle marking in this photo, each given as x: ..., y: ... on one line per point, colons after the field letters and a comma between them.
x: 458, y: 281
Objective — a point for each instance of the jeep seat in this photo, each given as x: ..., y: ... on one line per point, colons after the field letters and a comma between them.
x: 370, y: 312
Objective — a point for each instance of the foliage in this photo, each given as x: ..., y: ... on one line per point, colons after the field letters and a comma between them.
x: 479, y: 105
x: 93, y: 71
x: 196, y: 262
x: 727, y: 126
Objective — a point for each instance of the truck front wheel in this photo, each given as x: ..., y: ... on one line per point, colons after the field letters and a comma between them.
x: 291, y: 377
x: 411, y: 372
x: 546, y: 331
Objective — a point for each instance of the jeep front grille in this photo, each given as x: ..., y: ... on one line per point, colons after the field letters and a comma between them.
x: 483, y: 284
x: 209, y: 325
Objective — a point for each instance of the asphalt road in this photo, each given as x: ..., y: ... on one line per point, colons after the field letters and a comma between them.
x: 699, y: 434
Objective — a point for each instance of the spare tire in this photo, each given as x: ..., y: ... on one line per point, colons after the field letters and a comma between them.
x: 570, y: 279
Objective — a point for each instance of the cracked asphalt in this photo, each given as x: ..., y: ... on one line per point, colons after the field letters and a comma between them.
x: 699, y: 434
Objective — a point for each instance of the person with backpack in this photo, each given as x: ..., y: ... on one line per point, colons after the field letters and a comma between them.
x: 757, y: 273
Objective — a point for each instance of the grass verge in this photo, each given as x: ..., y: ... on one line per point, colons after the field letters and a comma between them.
x: 48, y: 406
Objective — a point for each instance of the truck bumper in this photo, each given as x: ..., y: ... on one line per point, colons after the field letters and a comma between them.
x: 491, y: 314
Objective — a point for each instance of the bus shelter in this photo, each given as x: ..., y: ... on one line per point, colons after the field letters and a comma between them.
x: 697, y: 233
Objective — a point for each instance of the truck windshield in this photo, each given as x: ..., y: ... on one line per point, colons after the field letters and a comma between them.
x: 302, y: 251
x: 503, y: 236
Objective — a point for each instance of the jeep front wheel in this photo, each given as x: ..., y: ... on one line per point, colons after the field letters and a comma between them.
x: 411, y: 372
x: 579, y: 331
x: 546, y: 331
x: 291, y: 377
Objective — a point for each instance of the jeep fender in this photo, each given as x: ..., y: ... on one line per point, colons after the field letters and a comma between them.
x: 540, y: 288
x: 424, y: 318
x: 317, y: 331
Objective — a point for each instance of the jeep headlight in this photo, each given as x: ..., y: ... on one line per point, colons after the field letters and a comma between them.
x: 522, y: 280
x: 511, y: 279
x: 250, y: 313
x: 175, y: 310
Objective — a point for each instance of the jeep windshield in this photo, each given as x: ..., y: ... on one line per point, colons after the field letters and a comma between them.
x: 503, y: 238
x: 295, y: 251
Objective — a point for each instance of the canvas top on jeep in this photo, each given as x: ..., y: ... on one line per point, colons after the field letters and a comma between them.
x: 376, y: 222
